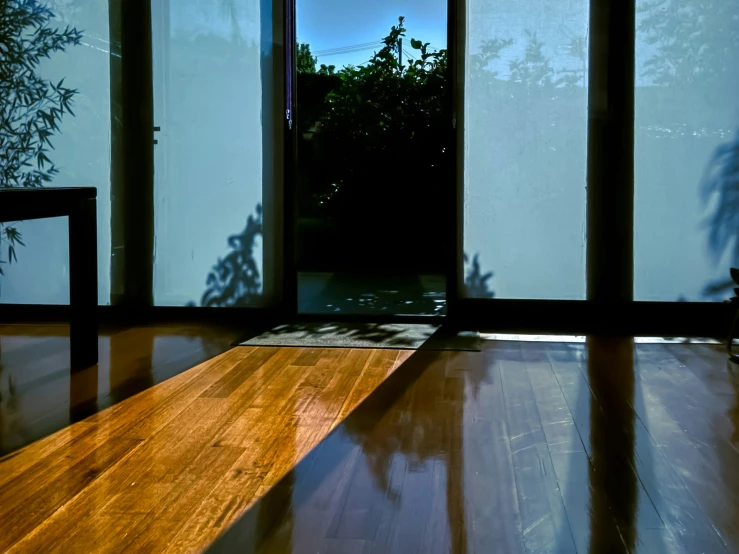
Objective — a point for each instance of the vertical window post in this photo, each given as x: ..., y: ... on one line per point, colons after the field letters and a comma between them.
x: 132, y: 171
x: 610, y: 197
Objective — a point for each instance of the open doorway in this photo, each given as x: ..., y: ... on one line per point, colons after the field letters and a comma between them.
x: 374, y: 163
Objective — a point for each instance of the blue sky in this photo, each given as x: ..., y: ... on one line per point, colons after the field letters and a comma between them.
x: 326, y: 24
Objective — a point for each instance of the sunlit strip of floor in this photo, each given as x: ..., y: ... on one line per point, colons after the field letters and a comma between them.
x: 172, y: 467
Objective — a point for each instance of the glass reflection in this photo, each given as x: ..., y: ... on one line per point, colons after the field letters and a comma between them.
x: 686, y: 148
x: 525, y: 107
x: 613, y: 485
x: 461, y: 452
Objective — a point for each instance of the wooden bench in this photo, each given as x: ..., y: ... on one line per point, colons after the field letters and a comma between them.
x: 79, y: 204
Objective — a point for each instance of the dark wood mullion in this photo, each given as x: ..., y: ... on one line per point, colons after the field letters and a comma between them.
x: 454, y: 258
x: 132, y: 166
x: 117, y: 160
x: 610, y: 196
x: 290, y: 272
x: 273, y: 152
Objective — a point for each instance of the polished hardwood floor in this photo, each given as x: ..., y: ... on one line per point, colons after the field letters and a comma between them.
x: 170, y: 468
x: 531, y: 447
x: 40, y: 395
x: 525, y: 447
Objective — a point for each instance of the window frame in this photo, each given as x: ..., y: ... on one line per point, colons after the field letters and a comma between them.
x: 609, y: 305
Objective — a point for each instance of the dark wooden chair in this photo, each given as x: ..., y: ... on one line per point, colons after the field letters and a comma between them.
x: 79, y: 204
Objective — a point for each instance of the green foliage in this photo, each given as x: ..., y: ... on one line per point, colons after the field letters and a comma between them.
x: 306, y: 62
x: 375, y: 138
x: 31, y: 108
x: 13, y: 238
x: 371, y: 133
x: 327, y: 70
x: 371, y: 111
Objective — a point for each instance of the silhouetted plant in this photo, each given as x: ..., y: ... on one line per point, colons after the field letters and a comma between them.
x: 534, y: 70
x: 695, y: 42
x: 578, y: 49
x: 720, y: 190
x: 490, y: 50
x: 31, y: 108
x: 306, y: 61
x: 235, y: 280
x: 475, y: 281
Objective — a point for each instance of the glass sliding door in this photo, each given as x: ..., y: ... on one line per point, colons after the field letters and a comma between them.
x: 213, y: 104
x: 525, y: 146
x: 686, y: 190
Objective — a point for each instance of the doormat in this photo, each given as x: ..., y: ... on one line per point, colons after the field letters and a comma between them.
x: 410, y: 336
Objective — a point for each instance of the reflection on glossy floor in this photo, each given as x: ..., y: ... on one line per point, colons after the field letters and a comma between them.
x: 171, y: 467
x: 526, y: 447
x: 39, y: 395
x: 386, y: 293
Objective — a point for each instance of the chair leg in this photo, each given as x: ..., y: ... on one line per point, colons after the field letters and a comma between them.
x: 83, y: 285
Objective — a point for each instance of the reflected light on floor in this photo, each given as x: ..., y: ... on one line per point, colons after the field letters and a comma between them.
x: 581, y: 339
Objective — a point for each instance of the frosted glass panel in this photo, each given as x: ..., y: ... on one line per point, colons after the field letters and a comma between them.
x: 525, y: 149
x: 686, y: 150
x: 208, y: 160
x: 81, y: 153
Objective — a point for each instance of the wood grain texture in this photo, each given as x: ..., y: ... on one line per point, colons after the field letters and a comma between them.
x: 524, y: 447
x: 39, y: 394
x: 521, y: 448
x: 170, y: 468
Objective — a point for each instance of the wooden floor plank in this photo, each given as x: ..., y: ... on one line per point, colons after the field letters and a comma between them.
x: 570, y: 462
x: 684, y: 518
x: 522, y: 447
x: 545, y: 522
x: 198, y: 448
x: 493, y: 503
x: 23, y: 518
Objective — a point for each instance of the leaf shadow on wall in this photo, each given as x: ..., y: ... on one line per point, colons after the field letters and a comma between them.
x: 236, y: 281
x: 720, y: 194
